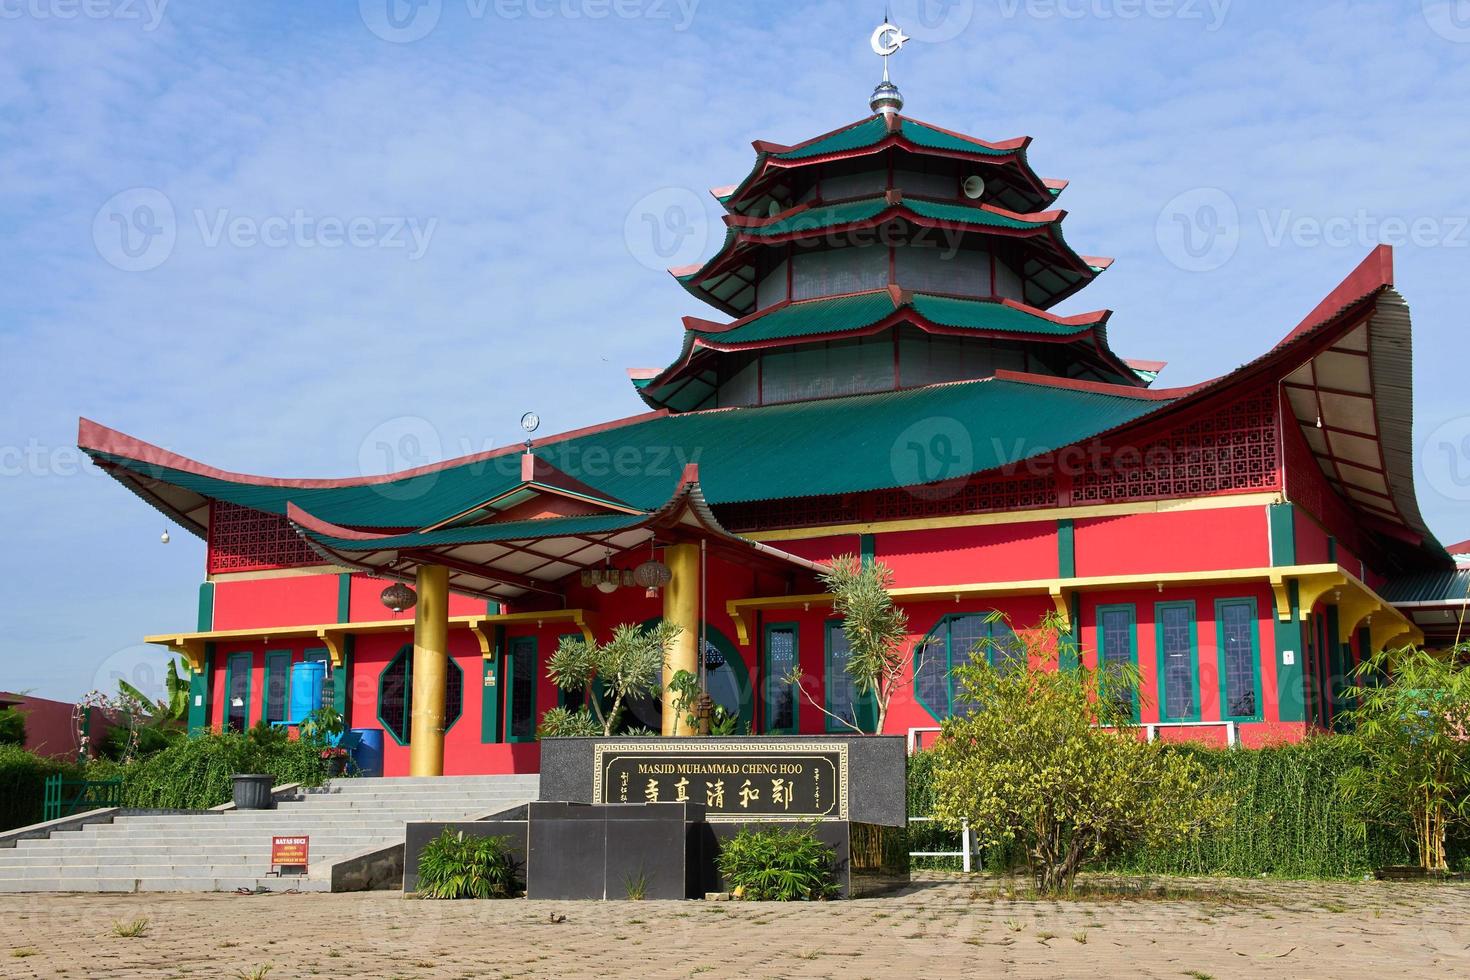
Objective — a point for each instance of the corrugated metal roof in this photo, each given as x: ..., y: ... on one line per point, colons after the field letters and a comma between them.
x: 824, y: 316
x: 1450, y: 586
x: 837, y: 445
x: 486, y: 533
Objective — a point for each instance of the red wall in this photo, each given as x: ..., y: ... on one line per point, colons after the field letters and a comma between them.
x: 996, y: 553
x: 294, y: 600
x: 1182, y: 541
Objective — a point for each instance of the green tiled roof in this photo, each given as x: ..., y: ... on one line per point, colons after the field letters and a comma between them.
x: 838, y: 445
x: 875, y: 130
x: 822, y: 316
x: 854, y: 137
x: 817, y: 219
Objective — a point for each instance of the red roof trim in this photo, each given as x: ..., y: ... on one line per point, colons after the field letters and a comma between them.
x: 95, y: 437
x: 1372, y: 274
x: 1139, y: 365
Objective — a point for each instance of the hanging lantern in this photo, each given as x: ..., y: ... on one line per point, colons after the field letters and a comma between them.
x: 652, y: 575
x: 399, y: 597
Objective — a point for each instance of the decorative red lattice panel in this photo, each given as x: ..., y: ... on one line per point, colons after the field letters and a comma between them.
x: 242, y: 539
x: 1231, y: 450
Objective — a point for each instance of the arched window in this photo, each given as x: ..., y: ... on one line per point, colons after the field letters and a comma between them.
x: 953, y: 643
x: 395, y: 695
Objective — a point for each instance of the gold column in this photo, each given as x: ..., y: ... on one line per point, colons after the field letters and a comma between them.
x: 681, y: 608
x: 430, y: 671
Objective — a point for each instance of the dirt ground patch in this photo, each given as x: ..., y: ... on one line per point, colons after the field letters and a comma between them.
x: 942, y: 926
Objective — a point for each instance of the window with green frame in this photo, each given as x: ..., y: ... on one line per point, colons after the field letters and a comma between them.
x: 782, y: 656
x: 520, y: 708
x: 1240, y: 659
x: 954, y: 643
x: 277, y: 687
x: 1176, y: 637
x: 842, y: 697
x: 1117, y: 640
x: 237, y: 692
x: 395, y: 695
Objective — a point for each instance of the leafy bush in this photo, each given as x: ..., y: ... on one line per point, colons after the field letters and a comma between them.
x: 454, y: 865
x: 778, y: 865
x: 194, y: 774
x: 1047, y: 760
x: 12, y: 727
x: 23, y: 785
x: 559, y: 722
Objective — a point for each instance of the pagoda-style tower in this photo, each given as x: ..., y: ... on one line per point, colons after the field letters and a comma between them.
x: 888, y: 254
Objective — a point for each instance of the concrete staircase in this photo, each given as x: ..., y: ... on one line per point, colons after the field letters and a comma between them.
x: 225, y: 850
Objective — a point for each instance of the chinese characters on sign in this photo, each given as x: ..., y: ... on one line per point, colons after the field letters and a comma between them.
x: 733, y: 780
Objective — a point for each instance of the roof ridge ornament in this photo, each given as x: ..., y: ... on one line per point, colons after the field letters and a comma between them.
x: 886, y: 41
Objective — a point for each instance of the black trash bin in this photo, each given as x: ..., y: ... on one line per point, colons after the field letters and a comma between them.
x: 253, y: 792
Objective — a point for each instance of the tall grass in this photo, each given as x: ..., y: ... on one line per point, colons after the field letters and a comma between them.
x: 1290, y: 819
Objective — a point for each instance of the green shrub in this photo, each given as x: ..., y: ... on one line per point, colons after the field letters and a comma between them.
x: 561, y: 722
x: 12, y: 727
x: 23, y: 785
x: 454, y: 865
x: 778, y: 865
x: 194, y: 773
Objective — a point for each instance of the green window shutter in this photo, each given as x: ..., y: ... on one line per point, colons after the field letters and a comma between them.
x: 490, y: 690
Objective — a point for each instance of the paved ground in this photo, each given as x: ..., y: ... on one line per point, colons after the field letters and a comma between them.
x: 940, y: 927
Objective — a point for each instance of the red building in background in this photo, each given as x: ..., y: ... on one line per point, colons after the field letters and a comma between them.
x: 887, y: 380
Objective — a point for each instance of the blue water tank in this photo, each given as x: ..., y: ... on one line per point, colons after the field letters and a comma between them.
x: 307, y: 680
x: 369, y: 752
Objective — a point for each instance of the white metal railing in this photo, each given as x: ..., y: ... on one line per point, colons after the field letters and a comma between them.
x: 1151, y: 731
x: 916, y: 740
x: 966, y: 852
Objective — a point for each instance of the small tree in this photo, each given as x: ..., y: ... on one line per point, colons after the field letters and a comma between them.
x: 1048, y: 758
x: 629, y: 666
x: 1411, y: 716
x: 878, y: 658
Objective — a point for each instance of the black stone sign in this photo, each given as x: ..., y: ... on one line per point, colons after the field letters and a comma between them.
x: 735, y: 781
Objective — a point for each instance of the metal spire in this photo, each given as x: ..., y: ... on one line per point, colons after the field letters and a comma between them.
x: 886, y: 41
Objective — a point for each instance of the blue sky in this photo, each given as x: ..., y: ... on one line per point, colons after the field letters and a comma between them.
x: 390, y: 231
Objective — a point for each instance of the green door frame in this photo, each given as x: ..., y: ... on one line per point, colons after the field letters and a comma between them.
x: 231, y: 668
x: 517, y: 644
x: 273, y: 660
x: 1161, y: 659
x: 771, y: 679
